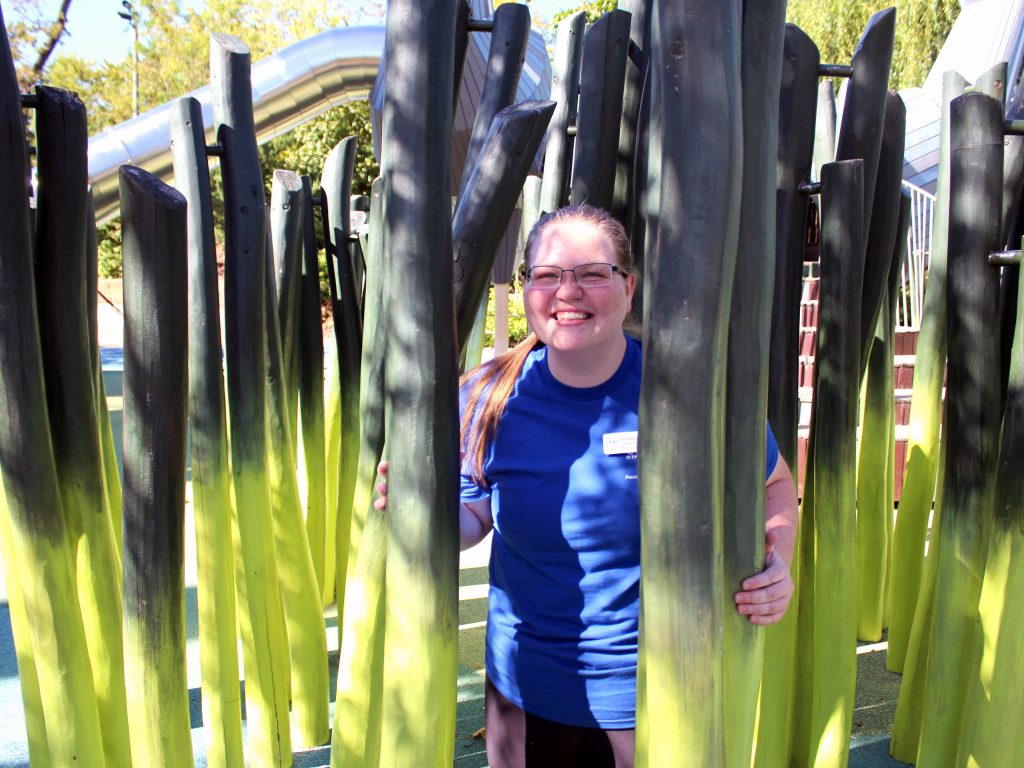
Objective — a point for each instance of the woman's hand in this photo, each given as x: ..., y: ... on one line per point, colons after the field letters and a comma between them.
x: 381, y: 502
x: 474, y: 518
x: 765, y: 596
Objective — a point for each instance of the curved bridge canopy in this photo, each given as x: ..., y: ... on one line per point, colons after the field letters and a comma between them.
x: 292, y: 86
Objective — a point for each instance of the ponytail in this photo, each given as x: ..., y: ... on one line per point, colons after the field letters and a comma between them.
x: 491, y: 385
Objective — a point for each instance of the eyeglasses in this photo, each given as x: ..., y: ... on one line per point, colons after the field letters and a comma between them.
x: 547, y: 277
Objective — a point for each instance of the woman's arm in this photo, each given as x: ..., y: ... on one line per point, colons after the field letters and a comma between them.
x: 474, y: 522
x: 474, y: 516
x: 766, y: 595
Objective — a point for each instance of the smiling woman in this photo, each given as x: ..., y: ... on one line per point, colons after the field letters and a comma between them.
x: 578, y: 313
x: 549, y: 444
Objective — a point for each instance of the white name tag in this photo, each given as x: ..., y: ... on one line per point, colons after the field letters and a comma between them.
x: 618, y: 443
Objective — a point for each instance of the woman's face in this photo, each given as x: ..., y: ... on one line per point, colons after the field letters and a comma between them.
x: 572, y: 318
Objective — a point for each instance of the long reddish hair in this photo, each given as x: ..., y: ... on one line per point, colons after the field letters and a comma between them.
x: 491, y: 383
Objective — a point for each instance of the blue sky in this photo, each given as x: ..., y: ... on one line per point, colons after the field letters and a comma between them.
x: 96, y: 32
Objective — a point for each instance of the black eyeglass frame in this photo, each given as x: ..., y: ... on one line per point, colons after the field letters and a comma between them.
x: 527, y: 273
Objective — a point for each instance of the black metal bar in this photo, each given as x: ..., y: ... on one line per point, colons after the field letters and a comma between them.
x: 1005, y: 258
x: 215, y: 150
x: 481, y: 25
x: 835, y: 70
x: 1013, y: 127
x: 810, y: 188
x: 29, y: 101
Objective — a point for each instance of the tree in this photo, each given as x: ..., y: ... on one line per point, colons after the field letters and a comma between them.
x: 921, y: 28
x: 595, y: 9
x: 34, y: 37
x: 174, y: 59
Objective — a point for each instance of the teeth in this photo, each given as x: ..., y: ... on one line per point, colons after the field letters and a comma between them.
x: 572, y: 315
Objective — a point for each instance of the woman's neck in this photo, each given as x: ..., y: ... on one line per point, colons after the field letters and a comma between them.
x: 586, y: 368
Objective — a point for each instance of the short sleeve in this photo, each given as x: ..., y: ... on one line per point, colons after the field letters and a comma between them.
x: 771, y: 454
x: 469, y: 490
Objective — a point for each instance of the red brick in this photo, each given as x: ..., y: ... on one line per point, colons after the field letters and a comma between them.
x: 807, y: 342
x: 904, y: 376
x: 807, y: 374
x: 811, y: 287
x: 903, y: 412
x: 809, y: 314
x: 901, y: 463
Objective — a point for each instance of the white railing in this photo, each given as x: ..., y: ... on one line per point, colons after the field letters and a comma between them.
x: 915, y: 267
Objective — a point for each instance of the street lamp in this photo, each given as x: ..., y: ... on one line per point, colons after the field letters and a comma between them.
x: 130, y: 16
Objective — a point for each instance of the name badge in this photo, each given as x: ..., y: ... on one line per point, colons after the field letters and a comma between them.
x: 618, y: 443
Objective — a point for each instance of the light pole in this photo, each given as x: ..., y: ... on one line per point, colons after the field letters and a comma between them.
x: 129, y: 15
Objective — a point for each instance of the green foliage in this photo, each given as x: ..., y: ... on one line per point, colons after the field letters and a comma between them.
x: 108, y: 240
x: 174, y: 60
x: 595, y: 9
x: 921, y: 29
x: 517, y: 327
x: 304, y: 149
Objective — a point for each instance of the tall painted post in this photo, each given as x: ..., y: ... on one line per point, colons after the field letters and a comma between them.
x: 421, y: 388
x: 39, y: 533
x: 565, y: 89
x: 973, y: 417
x: 749, y: 335
x: 68, y: 361
x: 697, y: 184
x: 827, y: 629
x: 245, y: 242
x: 155, y: 385
x: 211, y: 476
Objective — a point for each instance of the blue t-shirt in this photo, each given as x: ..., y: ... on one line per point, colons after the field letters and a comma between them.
x: 562, y: 621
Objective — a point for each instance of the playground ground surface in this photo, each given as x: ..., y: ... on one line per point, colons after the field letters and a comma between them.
x: 877, y: 689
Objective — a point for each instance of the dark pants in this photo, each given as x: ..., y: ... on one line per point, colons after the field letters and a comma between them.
x: 518, y: 739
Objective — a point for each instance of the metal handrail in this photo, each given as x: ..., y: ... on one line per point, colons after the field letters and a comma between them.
x: 915, y: 267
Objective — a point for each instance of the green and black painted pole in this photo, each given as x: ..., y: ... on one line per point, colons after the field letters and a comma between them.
x: 973, y: 416
x: 310, y: 388
x: 764, y: 24
x: 602, y: 78
x: 488, y: 201
x: 421, y: 388
x: 39, y: 532
x: 300, y: 594
x: 68, y: 367
x: 921, y: 468
x: 796, y: 142
x: 565, y: 90
x: 680, y: 706
x: 510, y: 34
x: 208, y: 433
x: 336, y: 188
x: 155, y: 253
x: 358, y: 705
x: 261, y: 615
x: 874, y: 498
x: 827, y: 623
